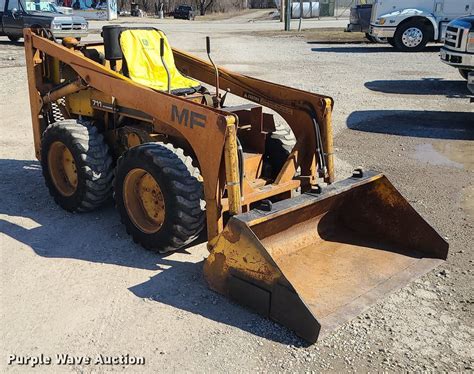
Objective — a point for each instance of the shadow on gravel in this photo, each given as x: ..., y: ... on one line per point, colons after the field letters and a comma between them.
x: 55, y: 233
x: 364, y: 49
x: 424, y: 124
x: 424, y: 86
x: 339, y: 42
x: 8, y: 42
x: 29, y: 215
x: 181, y: 285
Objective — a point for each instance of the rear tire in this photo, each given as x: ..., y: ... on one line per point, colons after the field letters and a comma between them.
x: 77, y: 166
x: 412, y: 36
x: 14, y: 39
x: 159, y: 196
x: 278, y: 147
x: 464, y: 73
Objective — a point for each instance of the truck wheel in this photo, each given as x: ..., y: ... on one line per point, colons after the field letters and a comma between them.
x: 76, y: 165
x: 14, y: 39
x: 464, y: 73
x: 278, y: 147
x: 159, y: 196
x: 391, y: 41
x: 412, y: 36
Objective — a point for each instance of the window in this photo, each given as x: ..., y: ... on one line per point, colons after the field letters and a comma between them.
x: 41, y: 6
x: 13, y: 4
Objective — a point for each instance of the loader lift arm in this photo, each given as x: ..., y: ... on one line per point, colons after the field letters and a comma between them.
x: 298, y: 108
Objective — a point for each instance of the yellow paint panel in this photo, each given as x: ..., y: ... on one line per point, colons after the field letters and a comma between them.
x: 80, y: 103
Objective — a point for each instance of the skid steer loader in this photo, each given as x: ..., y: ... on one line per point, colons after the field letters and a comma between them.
x: 150, y: 123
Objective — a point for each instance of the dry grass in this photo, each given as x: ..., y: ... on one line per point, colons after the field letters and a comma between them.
x: 223, y: 16
x: 322, y: 35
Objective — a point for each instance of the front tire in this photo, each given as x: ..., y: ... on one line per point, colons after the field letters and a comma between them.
x: 412, y: 36
x: 391, y: 41
x: 159, y: 196
x: 77, y: 166
x: 14, y: 39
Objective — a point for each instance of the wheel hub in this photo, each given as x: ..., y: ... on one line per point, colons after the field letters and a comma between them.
x: 62, y: 168
x: 412, y: 37
x: 144, y: 201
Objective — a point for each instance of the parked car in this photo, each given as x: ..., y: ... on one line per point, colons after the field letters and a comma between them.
x: 184, y: 12
x: 409, y: 25
x: 16, y: 15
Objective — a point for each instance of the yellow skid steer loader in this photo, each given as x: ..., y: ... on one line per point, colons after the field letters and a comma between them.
x: 131, y: 115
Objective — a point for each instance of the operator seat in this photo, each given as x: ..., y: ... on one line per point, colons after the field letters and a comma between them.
x: 142, y: 62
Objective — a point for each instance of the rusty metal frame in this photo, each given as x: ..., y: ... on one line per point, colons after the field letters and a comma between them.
x: 210, y: 143
x: 295, y: 106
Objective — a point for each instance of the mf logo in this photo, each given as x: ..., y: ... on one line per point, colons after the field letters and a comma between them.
x: 187, y: 118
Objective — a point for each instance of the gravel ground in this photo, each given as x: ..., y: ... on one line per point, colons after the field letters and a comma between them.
x: 77, y: 284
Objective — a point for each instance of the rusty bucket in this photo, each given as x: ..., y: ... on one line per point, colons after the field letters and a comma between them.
x: 317, y: 260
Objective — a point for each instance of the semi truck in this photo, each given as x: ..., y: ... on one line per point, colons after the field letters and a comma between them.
x: 409, y: 25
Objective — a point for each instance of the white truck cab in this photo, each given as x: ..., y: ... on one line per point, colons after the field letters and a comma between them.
x: 409, y: 25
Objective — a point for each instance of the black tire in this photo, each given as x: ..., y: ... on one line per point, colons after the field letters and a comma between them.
x: 391, y: 41
x: 278, y: 147
x: 14, y: 39
x: 464, y: 73
x: 182, y: 192
x: 92, y: 160
x: 412, y: 45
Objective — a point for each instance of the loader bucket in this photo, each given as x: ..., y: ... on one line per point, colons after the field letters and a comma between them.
x: 317, y: 260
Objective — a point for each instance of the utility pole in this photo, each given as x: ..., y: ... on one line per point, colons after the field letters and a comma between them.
x: 288, y: 15
x: 282, y: 10
x: 301, y: 14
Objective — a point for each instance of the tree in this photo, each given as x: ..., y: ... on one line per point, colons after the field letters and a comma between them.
x: 204, y: 5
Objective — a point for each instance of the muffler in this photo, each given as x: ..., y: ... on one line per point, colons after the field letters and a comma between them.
x: 318, y: 260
